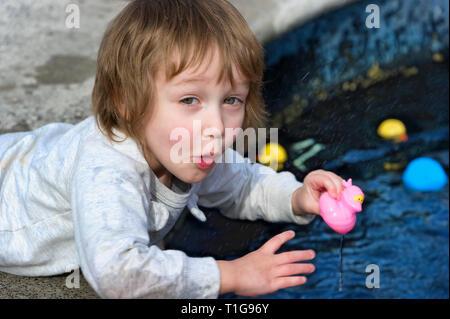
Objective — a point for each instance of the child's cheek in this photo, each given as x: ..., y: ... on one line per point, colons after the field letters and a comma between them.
x: 179, y: 134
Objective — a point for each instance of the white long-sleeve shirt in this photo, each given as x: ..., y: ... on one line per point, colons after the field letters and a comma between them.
x: 69, y: 197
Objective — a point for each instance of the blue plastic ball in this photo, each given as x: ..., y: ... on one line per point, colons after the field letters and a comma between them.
x: 424, y: 174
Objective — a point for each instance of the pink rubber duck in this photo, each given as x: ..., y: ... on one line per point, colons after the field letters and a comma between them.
x: 340, y: 214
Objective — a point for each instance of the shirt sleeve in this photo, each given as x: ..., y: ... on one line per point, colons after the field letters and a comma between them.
x: 111, y: 232
x: 242, y: 189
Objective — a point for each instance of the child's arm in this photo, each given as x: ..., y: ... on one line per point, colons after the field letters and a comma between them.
x: 245, y: 190
x: 112, y: 217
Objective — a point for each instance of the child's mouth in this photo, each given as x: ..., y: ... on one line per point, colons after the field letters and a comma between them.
x: 205, y: 162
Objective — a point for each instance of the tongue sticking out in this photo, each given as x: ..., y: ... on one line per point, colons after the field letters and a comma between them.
x: 207, y: 160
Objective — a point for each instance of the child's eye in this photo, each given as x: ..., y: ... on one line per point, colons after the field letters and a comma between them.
x: 189, y: 100
x: 231, y: 99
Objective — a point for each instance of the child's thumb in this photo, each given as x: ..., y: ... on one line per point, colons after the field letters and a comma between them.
x: 274, y: 243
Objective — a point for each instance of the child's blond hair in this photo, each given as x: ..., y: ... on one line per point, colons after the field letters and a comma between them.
x: 144, y: 36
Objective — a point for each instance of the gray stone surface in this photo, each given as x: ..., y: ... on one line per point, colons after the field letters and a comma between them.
x: 47, y: 70
x: 270, y: 18
x: 18, y: 287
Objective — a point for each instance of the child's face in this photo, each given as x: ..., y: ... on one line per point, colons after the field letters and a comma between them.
x: 194, y: 95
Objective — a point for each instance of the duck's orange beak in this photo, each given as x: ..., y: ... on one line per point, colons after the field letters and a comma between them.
x: 403, y: 137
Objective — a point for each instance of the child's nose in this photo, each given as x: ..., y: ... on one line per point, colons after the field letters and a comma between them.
x: 213, y: 126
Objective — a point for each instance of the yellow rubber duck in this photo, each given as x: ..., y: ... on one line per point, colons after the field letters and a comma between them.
x: 273, y: 155
x: 394, y: 166
x: 393, y: 129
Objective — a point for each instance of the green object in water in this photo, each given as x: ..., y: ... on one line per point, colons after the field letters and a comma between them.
x: 299, y: 161
x: 297, y: 147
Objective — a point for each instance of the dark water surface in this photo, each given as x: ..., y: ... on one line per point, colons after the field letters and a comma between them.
x: 334, y: 81
x: 405, y: 234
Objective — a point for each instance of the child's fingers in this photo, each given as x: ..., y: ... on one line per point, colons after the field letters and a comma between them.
x: 294, y: 269
x: 330, y: 186
x: 337, y: 180
x: 273, y: 244
x: 285, y: 282
x: 290, y: 257
x: 337, y: 187
x: 329, y: 180
x: 333, y: 184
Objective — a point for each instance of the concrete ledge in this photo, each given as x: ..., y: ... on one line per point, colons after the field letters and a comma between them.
x: 18, y: 287
x: 271, y: 18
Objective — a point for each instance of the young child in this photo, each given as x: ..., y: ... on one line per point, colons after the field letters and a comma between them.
x: 101, y: 194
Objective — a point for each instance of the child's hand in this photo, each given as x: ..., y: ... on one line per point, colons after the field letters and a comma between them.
x: 262, y: 271
x: 306, y: 198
